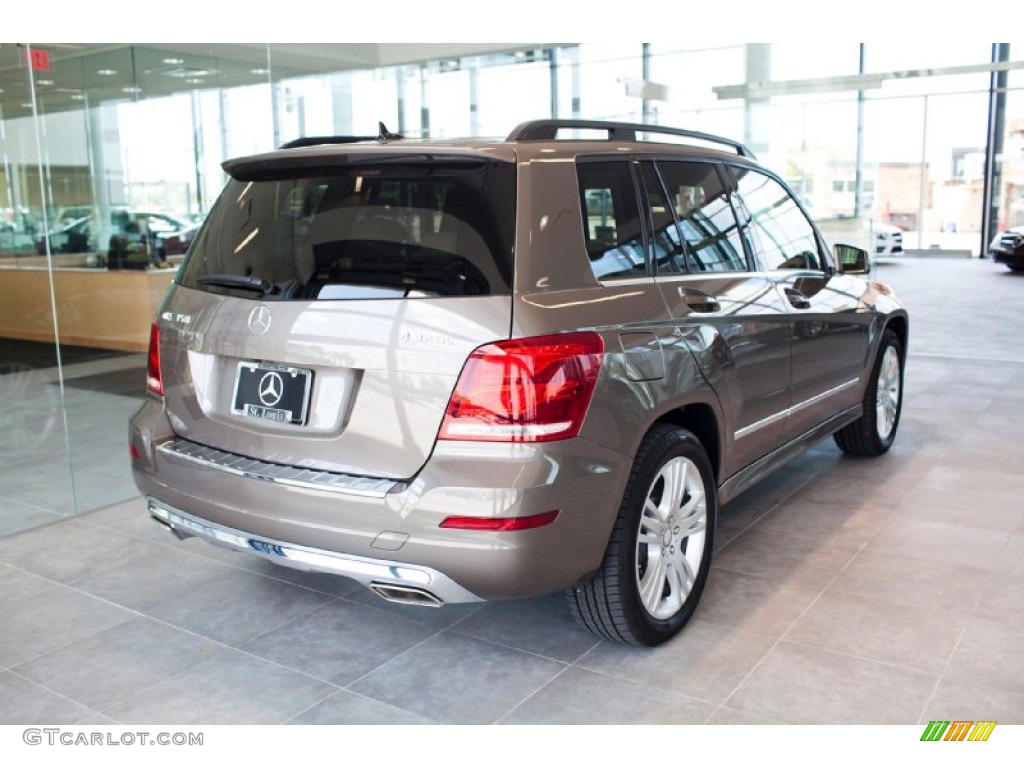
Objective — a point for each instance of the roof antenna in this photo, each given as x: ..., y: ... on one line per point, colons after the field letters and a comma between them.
x: 385, y: 134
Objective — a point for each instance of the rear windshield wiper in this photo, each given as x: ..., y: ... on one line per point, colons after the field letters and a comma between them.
x: 244, y: 282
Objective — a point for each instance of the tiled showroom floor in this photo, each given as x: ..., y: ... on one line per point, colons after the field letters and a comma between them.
x: 843, y: 590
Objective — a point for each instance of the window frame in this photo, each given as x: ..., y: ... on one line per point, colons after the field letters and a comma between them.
x: 755, y: 256
x: 716, y: 167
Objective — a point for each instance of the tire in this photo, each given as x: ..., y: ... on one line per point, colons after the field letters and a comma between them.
x: 1015, y: 267
x: 873, y: 433
x: 648, y: 585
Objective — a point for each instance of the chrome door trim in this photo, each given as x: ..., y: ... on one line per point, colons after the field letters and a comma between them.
x: 775, y: 417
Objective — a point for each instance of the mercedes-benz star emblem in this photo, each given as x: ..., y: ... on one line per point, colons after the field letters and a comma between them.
x: 259, y: 319
x: 271, y: 388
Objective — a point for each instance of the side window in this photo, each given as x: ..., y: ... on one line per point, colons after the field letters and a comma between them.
x: 705, y: 217
x: 611, y: 220
x: 665, y: 243
x: 781, y: 234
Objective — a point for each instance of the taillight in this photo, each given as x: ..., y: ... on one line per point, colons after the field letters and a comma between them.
x: 525, y: 390
x: 154, y: 381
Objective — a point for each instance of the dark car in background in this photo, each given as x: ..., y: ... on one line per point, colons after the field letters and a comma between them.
x: 18, y: 227
x: 161, y: 233
x: 1008, y: 248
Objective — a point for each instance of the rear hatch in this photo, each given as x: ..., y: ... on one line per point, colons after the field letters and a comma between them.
x: 326, y: 308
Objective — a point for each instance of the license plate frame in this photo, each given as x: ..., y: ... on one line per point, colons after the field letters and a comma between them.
x: 266, y: 391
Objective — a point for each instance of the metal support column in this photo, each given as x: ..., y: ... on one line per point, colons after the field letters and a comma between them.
x: 552, y: 54
x: 756, y: 111
x: 992, y: 190
x: 424, y: 109
x: 645, y: 75
x: 858, y: 195
x: 474, y: 112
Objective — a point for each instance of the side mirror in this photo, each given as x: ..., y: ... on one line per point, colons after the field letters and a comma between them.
x: 851, y: 259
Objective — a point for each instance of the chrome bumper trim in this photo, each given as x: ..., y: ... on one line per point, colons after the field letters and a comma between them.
x: 367, y: 571
x: 282, y: 474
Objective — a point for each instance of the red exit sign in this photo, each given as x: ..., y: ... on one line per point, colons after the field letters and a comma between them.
x: 39, y: 59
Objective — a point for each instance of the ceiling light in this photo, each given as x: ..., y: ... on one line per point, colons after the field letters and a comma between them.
x: 27, y: 104
x: 173, y: 61
x: 77, y: 97
x: 44, y: 82
x: 260, y: 71
x: 106, y: 72
x: 194, y: 80
x: 131, y: 89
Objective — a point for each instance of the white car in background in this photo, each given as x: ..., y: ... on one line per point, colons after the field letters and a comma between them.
x: 888, y: 239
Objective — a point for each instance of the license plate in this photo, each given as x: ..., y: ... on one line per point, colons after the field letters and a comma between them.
x: 272, y: 392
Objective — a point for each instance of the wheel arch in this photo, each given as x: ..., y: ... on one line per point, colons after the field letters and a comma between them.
x: 702, y: 420
x: 901, y: 327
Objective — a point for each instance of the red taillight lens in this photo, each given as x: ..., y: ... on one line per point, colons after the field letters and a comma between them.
x: 525, y: 390
x: 500, y: 523
x: 154, y: 381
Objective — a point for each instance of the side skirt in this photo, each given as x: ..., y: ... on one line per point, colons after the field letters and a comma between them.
x: 784, y: 454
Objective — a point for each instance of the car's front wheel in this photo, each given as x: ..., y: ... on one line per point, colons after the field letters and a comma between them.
x: 873, y: 433
x: 659, y: 554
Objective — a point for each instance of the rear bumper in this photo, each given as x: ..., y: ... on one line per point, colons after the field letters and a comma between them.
x: 367, y: 533
x: 432, y: 587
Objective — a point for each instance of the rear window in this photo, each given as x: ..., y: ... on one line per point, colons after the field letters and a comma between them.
x: 410, y: 231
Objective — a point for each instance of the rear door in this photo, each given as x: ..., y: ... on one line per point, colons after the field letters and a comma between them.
x: 828, y: 317
x: 322, y: 317
x: 732, y: 318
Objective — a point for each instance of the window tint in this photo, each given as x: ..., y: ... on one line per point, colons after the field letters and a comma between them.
x: 705, y: 217
x: 611, y: 220
x: 414, y: 231
x: 781, y: 234
x: 665, y: 243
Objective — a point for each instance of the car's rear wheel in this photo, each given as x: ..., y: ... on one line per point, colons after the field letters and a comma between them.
x: 659, y: 554
x: 873, y: 433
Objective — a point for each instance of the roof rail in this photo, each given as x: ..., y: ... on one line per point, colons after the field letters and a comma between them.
x: 547, y: 130
x: 312, y: 141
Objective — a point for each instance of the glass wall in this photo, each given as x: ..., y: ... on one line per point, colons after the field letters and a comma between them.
x: 35, y: 466
x: 112, y: 156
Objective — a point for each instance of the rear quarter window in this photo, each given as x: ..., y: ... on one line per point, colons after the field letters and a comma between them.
x: 611, y: 220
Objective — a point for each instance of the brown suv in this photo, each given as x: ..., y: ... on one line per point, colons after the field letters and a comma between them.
x: 472, y: 370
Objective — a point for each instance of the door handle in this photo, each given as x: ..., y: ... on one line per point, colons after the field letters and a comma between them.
x: 699, y: 301
x: 797, y: 299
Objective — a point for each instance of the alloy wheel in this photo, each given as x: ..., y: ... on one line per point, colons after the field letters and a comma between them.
x: 670, y: 542
x: 887, y: 398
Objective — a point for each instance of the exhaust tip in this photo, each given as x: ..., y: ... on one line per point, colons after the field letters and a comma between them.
x: 396, y: 593
x: 169, y: 528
